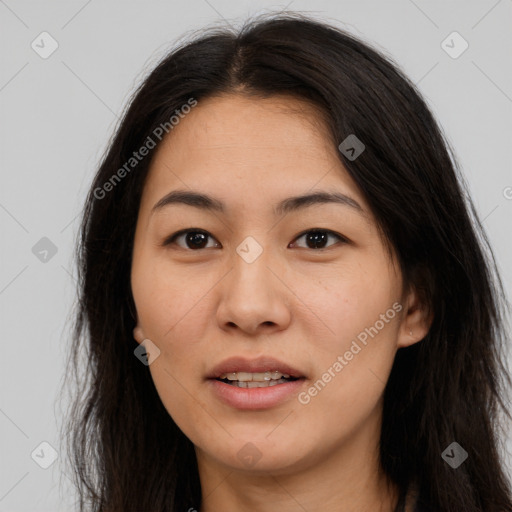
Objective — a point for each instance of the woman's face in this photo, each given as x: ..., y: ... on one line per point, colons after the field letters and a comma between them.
x: 256, y: 285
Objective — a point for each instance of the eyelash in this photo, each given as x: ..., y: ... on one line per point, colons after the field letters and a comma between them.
x: 171, y: 239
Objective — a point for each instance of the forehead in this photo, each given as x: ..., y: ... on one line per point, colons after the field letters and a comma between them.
x: 239, y: 124
x: 258, y: 148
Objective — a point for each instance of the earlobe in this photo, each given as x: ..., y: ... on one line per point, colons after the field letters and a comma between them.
x: 138, y: 334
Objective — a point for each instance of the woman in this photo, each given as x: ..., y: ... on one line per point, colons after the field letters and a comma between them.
x: 285, y: 298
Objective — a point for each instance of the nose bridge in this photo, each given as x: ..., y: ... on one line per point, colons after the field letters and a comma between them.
x: 251, y: 294
x: 250, y: 265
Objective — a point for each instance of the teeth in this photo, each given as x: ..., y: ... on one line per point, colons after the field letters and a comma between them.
x: 254, y: 377
x: 256, y: 384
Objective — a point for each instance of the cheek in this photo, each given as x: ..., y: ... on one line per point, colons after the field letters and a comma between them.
x: 350, y: 300
x: 166, y: 298
x: 354, y: 356
x: 172, y: 312
x: 167, y: 313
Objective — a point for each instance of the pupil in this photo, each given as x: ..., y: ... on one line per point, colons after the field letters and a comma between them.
x: 317, y: 238
x: 196, y: 239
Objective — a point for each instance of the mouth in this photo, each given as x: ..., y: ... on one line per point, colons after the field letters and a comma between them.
x: 256, y: 379
x: 261, y: 383
x: 264, y: 369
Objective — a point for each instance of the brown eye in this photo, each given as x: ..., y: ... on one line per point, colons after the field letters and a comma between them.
x: 193, y: 239
x: 317, y: 238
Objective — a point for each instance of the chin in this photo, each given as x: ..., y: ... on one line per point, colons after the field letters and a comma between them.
x: 260, y: 455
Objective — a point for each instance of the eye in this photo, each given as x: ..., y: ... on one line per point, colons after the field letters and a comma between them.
x: 317, y: 238
x: 194, y: 238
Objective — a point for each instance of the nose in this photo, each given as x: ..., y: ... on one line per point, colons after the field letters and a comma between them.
x: 253, y: 298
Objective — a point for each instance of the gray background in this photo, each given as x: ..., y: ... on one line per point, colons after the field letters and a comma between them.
x: 58, y: 113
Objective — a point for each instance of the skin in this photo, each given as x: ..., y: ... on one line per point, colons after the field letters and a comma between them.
x: 295, y: 302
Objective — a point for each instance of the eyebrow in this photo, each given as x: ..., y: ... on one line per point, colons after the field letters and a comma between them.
x: 290, y: 204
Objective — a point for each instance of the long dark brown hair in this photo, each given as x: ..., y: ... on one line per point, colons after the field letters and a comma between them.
x: 127, y: 453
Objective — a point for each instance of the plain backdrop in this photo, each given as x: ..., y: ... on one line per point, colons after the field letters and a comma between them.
x: 57, y: 114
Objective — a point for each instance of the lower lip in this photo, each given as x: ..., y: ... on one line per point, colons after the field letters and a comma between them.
x: 255, y: 398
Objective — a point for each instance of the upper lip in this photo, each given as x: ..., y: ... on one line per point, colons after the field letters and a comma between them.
x: 260, y: 364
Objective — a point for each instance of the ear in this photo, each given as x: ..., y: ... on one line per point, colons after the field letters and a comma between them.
x: 138, y: 334
x: 416, y: 320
